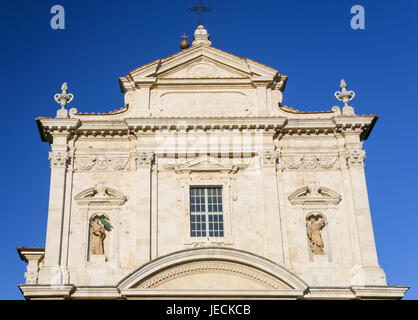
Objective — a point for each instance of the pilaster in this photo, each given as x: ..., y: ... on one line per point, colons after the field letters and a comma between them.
x: 273, y: 228
x: 370, y: 272
x: 53, y: 272
x: 261, y: 84
x: 144, y: 86
x: 144, y: 240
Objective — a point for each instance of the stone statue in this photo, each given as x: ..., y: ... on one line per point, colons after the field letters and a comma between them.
x: 97, y: 236
x: 313, y: 230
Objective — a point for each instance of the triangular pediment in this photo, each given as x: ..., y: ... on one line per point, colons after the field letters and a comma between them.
x: 203, y: 68
x: 201, y: 61
x: 205, y: 164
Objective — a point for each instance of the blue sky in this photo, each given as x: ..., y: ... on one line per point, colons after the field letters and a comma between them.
x: 310, y: 41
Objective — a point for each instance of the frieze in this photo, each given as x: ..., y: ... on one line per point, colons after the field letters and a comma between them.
x: 309, y: 161
x: 101, y: 163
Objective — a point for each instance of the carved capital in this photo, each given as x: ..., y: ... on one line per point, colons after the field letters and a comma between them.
x: 33, y: 258
x: 144, y: 159
x: 59, y: 159
x: 355, y: 157
x: 269, y: 158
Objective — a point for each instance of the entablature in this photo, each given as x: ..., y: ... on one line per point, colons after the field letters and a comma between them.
x: 286, y: 127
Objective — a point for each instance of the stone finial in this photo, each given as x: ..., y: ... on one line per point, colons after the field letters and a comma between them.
x: 63, y: 99
x: 345, y: 96
x: 201, y: 36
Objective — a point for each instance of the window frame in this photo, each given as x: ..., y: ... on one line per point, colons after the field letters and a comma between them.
x: 207, y: 213
x: 226, y: 203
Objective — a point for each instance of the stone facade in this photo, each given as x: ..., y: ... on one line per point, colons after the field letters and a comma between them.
x: 296, y: 217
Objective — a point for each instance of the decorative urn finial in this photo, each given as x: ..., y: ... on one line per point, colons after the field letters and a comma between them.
x: 184, y: 44
x: 63, y: 99
x: 345, y: 96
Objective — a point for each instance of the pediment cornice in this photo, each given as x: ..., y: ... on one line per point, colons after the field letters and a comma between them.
x: 314, y: 194
x: 205, y: 164
x: 100, y: 194
x: 231, y: 67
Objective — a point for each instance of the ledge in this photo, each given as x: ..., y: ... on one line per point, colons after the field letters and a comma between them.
x: 24, y: 252
x: 211, y: 294
x: 380, y: 292
x: 312, y: 293
x: 46, y: 291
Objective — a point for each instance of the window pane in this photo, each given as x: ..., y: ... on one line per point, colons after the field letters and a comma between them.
x: 206, y: 220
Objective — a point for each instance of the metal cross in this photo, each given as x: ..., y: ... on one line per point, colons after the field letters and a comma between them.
x: 200, y: 9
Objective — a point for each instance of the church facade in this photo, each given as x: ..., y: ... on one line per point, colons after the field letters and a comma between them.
x: 204, y: 185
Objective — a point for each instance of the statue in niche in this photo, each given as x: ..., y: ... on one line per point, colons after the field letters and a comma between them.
x: 98, y: 228
x: 314, y: 226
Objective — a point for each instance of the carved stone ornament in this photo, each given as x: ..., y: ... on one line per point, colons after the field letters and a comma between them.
x: 99, y: 226
x: 100, y: 163
x: 345, y: 96
x: 144, y: 159
x: 206, y: 164
x: 309, y: 161
x: 269, y: 158
x: 97, y: 236
x: 58, y: 159
x: 355, y: 157
x: 315, y: 222
x: 101, y: 193
x: 201, y: 36
x: 33, y: 258
x: 63, y: 99
x: 314, y: 194
x: 202, y: 70
x: 199, y: 267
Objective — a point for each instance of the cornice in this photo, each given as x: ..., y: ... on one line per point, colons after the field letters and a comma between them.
x: 364, y: 124
x: 192, y: 123
x: 249, y: 69
x: 49, y: 126
x: 286, y: 127
x: 24, y: 252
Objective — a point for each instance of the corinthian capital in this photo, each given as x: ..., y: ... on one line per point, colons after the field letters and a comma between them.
x: 144, y: 159
x: 59, y: 159
x: 355, y: 157
x: 269, y: 158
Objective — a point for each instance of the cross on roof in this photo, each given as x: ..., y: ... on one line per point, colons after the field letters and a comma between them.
x: 200, y: 9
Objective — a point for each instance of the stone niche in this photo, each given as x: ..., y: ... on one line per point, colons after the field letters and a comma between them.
x: 105, y: 203
x: 314, y: 205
